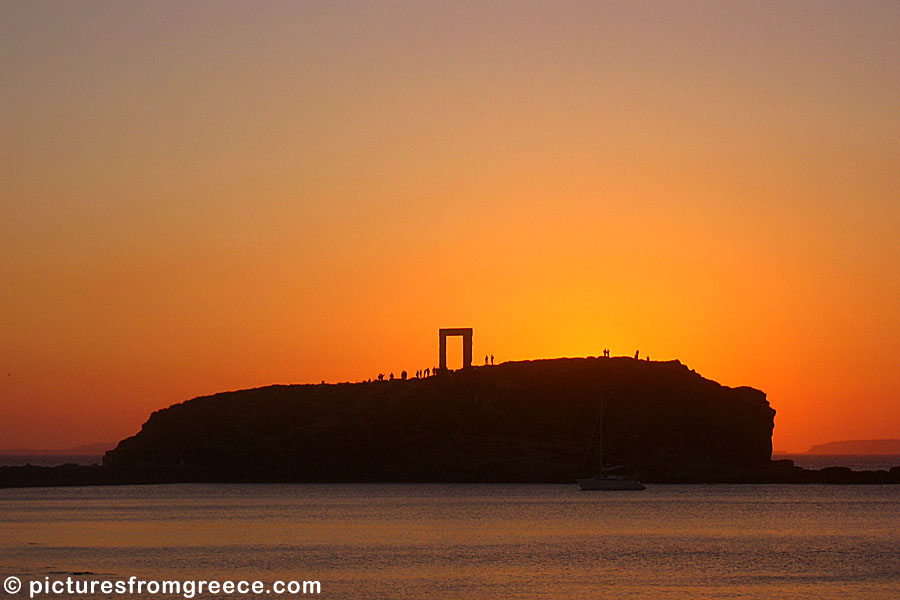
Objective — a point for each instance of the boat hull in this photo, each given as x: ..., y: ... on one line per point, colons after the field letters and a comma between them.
x: 605, y: 484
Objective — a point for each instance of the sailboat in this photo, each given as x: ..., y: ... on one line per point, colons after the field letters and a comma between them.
x: 605, y: 481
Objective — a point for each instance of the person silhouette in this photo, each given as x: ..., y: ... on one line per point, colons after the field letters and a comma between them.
x: 391, y: 376
x: 492, y: 359
x: 636, y: 353
x: 381, y: 377
x: 427, y: 372
x: 485, y: 359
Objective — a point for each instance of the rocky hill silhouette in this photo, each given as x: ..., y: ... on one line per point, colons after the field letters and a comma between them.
x: 519, y: 421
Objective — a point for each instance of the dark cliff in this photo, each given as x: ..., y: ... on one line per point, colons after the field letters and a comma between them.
x: 521, y: 421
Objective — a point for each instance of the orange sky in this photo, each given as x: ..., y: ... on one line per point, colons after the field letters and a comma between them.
x: 218, y: 196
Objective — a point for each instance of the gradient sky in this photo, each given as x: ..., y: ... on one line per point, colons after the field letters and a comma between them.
x: 202, y: 197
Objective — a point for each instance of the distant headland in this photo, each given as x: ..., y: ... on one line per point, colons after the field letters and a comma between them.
x: 95, y: 449
x: 527, y: 421
x: 857, y: 447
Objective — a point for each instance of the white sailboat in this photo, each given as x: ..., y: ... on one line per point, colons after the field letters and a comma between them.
x: 605, y: 481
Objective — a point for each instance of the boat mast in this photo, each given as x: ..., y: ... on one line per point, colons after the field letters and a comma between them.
x: 597, y: 421
x: 601, y: 433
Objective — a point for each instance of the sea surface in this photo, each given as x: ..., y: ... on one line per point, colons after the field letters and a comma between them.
x: 466, y: 541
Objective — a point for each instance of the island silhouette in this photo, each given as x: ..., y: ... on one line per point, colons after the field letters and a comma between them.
x: 526, y: 421
x: 857, y: 447
x: 519, y: 421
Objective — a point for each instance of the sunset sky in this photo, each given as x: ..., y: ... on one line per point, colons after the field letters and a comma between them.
x: 203, y: 197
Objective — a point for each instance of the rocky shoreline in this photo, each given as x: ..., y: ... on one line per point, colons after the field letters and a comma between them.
x: 779, y: 472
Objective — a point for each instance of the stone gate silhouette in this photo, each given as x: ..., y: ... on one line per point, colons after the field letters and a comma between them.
x: 466, y: 333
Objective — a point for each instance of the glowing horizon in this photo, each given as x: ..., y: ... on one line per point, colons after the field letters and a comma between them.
x: 206, y: 197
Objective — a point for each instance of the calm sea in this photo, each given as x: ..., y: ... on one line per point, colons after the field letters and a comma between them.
x: 469, y: 541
